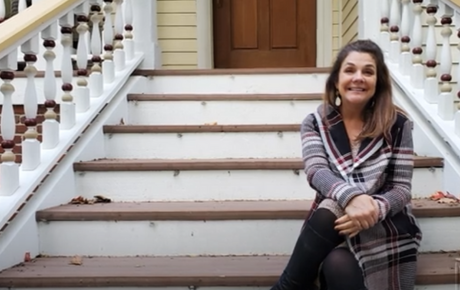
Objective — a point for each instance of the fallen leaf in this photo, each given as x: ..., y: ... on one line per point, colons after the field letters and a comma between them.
x: 76, y: 260
x: 447, y: 200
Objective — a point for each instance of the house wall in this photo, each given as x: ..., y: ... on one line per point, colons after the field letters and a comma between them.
x: 336, y: 24
x: 177, y: 33
x: 349, y: 21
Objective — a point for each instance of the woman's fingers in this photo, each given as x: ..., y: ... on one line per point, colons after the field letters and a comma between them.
x: 345, y: 225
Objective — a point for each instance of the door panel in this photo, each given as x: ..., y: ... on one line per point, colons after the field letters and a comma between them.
x: 264, y: 33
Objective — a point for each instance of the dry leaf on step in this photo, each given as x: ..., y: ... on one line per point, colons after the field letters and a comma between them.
x: 447, y: 200
x: 76, y: 260
x: 210, y: 124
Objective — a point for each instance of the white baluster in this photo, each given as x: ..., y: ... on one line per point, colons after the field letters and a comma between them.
x: 31, y: 149
x: 108, y: 66
x: 446, y: 108
x: 82, y: 95
x: 22, y: 5
x: 96, y: 82
x: 9, y: 169
x: 119, y: 53
x: 405, y: 59
x: 108, y: 23
x: 2, y: 11
x: 67, y: 106
x: 395, y: 48
x: 384, y: 28
x: 50, y: 125
x: 417, y: 72
x: 129, y: 42
x: 431, y: 91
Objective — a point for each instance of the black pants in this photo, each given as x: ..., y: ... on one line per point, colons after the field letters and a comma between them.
x: 316, y: 244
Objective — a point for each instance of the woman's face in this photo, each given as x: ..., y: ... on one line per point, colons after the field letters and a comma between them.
x: 357, y: 79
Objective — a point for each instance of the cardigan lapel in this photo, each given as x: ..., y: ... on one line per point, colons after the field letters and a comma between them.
x: 337, y: 143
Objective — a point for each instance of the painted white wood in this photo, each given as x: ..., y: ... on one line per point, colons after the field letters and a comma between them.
x: 178, y: 238
x: 30, y: 180
x: 218, y: 185
x: 440, y: 132
x: 59, y: 187
x: 218, y: 145
x: 222, y: 112
x: 239, y: 83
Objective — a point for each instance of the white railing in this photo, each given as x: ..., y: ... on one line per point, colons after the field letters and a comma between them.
x: 420, y: 42
x: 115, y: 51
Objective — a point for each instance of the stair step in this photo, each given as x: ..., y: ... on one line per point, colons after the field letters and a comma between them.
x: 212, y: 210
x: 231, y: 71
x: 237, y: 108
x: 217, y: 179
x: 223, y: 141
x: 223, y: 97
x: 151, y: 129
x: 52, y: 272
x: 155, y: 228
x: 214, y: 164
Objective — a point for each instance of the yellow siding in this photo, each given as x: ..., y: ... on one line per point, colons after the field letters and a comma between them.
x: 349, y: 21
x: 177, y: 33
x: 336, y: 32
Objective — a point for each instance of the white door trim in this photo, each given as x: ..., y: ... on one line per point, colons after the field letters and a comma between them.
x: 205, y: 40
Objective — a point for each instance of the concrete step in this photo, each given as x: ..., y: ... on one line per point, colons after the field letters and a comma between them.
x: 188, y: 228
x: 435, y: 271
x: 200, y: 109
x: 220, y: 141
x: 217, y: 179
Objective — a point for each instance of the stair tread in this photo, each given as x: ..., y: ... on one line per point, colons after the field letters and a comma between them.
x: 215, y: 164
x: 211, y: 210
x: 433, y: 268
x: 230, y: 71
x: 224, y: 97
x: 140, y: 129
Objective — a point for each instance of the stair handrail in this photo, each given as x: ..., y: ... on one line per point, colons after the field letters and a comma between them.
x: 21, y: 27
x: 421, y: 67
x: 106, y: 55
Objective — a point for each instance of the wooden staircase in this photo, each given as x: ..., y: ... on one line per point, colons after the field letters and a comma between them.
x: 206, y: 189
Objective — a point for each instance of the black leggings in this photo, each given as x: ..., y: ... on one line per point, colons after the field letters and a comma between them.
x: 317, y: 244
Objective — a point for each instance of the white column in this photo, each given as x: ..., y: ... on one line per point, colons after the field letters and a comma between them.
x: 145, y: 32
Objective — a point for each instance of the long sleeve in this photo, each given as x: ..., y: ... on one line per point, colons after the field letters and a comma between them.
x: 396, y: 193
x: 317, y: 168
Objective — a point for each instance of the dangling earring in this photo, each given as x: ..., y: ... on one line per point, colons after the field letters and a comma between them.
x: 338, y: 100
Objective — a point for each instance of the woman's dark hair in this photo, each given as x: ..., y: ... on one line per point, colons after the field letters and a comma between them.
x: 380, y: 112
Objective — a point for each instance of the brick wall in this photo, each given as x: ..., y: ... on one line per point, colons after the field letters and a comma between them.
x: 21, y: 128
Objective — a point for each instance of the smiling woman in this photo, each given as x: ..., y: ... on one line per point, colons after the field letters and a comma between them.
x: 358, y: 155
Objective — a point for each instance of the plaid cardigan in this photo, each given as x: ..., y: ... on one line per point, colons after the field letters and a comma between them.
x: 387, y: 252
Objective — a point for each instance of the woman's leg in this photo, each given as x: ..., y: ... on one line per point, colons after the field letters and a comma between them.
x: 317, y: 239
x: 341, y: 271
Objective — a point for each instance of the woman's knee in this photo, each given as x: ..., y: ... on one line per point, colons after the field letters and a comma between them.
x: 341, y: 270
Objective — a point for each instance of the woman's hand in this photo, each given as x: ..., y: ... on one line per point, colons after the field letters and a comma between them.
x: 345, y: 226
x: 363, y: 211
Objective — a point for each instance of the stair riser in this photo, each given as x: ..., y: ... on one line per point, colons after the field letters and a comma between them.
x: 172, y: 238
x: 241, y: 84
x: 218, y: 185
x: 204, y: 145
x: 222, y: 112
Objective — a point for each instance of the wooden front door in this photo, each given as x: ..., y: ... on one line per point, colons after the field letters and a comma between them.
x: 264, y: 33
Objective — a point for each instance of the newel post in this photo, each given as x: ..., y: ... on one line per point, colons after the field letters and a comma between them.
x: 369, y: 19
x: 145, y: 32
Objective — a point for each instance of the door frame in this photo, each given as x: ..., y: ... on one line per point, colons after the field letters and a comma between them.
x: 205, y: 40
